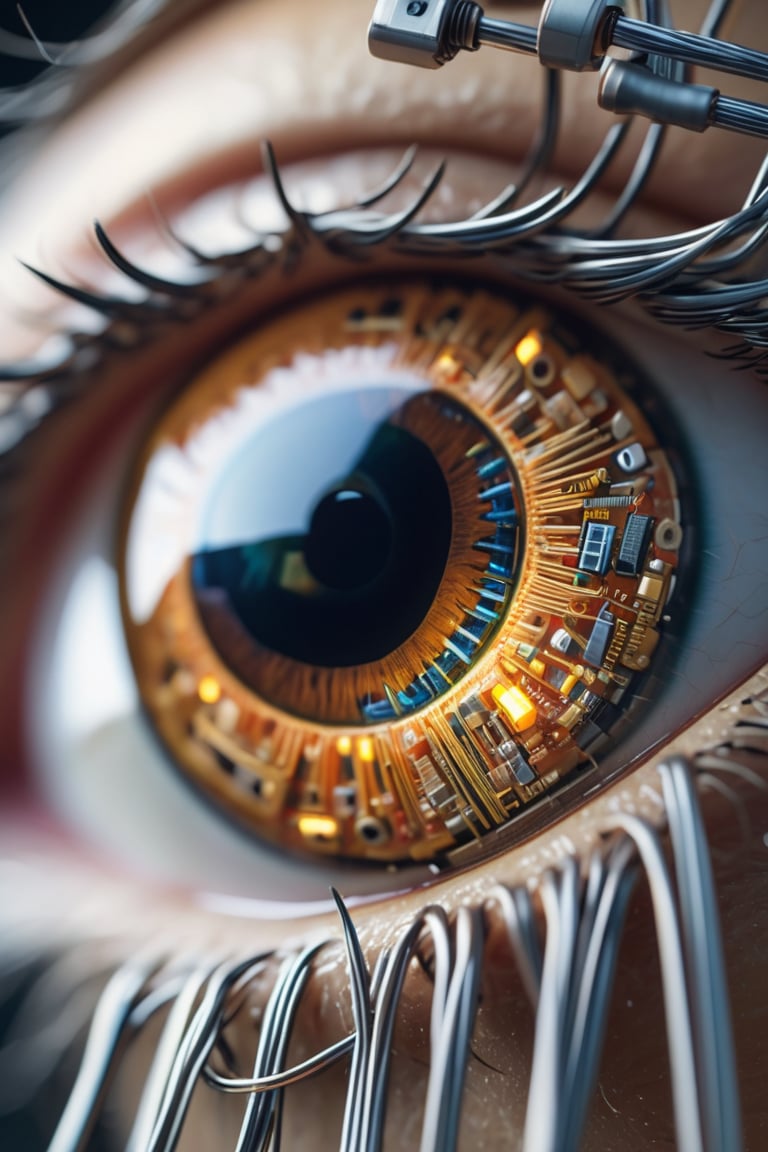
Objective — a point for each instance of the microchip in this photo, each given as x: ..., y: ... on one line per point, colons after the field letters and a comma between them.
x: 634, y: 544
x: 595, y: 547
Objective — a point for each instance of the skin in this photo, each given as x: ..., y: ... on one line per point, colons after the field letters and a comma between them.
x: 184, y: 118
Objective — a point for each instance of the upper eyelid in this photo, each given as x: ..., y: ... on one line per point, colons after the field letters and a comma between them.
x: 544, y: 247
x: 580, y: 278
x: 666, y: 271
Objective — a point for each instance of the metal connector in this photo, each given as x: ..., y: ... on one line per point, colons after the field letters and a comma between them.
x: 632, y: 89
x: 429, y: 33
x: 422, y: 32
x: 576, y: 35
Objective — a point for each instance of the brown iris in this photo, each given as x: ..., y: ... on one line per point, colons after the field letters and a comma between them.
x: 393, y: 566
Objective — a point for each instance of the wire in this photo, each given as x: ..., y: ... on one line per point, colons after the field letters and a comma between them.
x: 575, y: 36
x: 564, y: 934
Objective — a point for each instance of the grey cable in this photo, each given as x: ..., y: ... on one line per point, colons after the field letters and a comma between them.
x: 584, y: 906
x: 106, y: 1033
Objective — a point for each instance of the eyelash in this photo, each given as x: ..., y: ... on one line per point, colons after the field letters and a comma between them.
x: 666, y: 274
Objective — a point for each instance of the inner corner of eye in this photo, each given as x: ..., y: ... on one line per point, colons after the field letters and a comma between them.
x: 396, y: 567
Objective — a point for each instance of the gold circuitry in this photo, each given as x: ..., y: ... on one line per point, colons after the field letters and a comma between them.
x: 547, y: 649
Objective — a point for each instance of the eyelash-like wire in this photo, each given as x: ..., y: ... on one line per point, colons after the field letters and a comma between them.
x: 564, y: 937
x: 692, y: 279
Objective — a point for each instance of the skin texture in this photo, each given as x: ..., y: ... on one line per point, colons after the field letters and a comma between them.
x: 182, y: 119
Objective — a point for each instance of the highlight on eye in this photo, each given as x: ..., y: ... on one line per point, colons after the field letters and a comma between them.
x: 394, y: 566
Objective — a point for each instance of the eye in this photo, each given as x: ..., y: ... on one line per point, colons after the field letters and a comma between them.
x: 81, y: 654
x: 720, y: 635
x: 392, y: 565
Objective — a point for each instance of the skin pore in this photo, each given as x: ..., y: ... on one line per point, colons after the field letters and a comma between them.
x: 186, y: 117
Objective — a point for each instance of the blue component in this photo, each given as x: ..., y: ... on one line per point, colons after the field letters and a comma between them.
x: 599, y: 638
x: 476, y: 626
x: 485, y: 613
x: 497, y: 490
x: 522, y: 771
x: 494, y: 590
x: 415, y: 696
x: 491, y: 468
x: 436, y: 682
x: 505, y: 516
x: 448, y: 662
x: 495, y: 546
x: 595, y: 546
x: 376, y: 710
x: 458, y: 651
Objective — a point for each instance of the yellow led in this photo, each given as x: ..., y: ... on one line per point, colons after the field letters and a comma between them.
x: 529, y: 348
x: 567, y: 684
x: 209, y: 690
x: 448, y: 365
x: 365, y: 748
x: 519, y: 709
x: 313, y: 825
x: 343, y: 745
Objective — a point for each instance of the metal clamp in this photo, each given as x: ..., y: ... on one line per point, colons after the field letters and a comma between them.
x: 575, y: 35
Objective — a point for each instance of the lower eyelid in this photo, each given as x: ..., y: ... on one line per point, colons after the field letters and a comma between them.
x: 208, y: 915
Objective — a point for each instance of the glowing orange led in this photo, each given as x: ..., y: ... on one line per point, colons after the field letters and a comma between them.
x: 343, y: 745
x: 365, y: 749
x: 529, y: 348
x: 519, y: 709
x: 209, y: 690
x: 448, y: 366
x: 312, y: 825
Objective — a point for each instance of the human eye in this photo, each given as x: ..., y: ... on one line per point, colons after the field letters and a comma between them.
x: 743, y: 401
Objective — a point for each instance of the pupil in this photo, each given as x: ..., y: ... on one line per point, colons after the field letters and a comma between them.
x: 358, y: 577
x: 349, y: 540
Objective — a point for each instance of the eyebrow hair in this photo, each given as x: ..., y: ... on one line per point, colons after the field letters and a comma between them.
x: 569, y: 924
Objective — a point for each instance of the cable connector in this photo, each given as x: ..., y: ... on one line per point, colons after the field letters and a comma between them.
x: 575, y: 35
x: 632, y: 89
x: 427, y: 33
